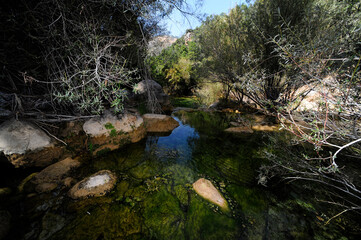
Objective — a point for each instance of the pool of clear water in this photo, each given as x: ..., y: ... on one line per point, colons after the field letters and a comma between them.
x: 154, y: 199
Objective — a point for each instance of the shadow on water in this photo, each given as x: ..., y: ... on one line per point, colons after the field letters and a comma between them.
x: 154, y: 199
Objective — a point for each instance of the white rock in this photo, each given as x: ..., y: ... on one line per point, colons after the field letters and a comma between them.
x: 17, y: 137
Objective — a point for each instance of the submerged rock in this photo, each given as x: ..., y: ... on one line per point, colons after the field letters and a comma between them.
x: 51, y: 224
x: 96, y: 185
x: 243, y: 129
x: 206, y: 190
x: 26, y: 145
x: 159, y: 123
x: 49, y: 178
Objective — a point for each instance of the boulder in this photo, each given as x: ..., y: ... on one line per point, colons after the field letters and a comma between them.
x: 207, y: 191
x: 159, y: 123
x: 17, y: 137
x: 141, y: 91
x: 26, y: 145
x: 111, y: 132
x: 49, y: 178
x: 241, y: 129
x: 96, y: 185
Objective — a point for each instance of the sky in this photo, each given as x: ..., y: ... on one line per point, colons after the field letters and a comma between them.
x: 177, y: 24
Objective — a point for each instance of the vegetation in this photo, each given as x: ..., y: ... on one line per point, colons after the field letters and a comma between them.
x: 272, y: 53
x: 75, y: 57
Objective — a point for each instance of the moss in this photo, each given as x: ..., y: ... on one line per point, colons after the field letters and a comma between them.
x: 103, y: 151
x: 113, y: 133
x: 182, y: 194
x: 163, y: 216
x: 108, y: 126
x: 204, y: 222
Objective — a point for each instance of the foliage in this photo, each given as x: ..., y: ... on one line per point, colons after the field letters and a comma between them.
x: 81, y: 56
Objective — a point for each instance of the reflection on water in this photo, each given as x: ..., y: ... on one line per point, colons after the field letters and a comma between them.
x: 154, y: 199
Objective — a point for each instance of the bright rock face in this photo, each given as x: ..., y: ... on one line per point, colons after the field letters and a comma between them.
x: 17, y: 137
x: 206, y: 190
x: 103, y: 126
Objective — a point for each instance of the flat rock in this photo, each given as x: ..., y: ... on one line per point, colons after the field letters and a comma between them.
x: 159, y: 123
x: 96, y: 185
x: 206, y: 190
x: 18, y: 137
x: 57, y: 171
x: 96, y: 127
x: 111, y: 132
x: 241, y: 129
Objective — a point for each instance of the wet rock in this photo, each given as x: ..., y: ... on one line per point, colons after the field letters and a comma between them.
x: 51, y: 224
x: 5, y: 222
x: 206, y: 190
x: 96, y: 185
x: 242, y: 129
x: 111, y: 132
x: 57, y: 171
x: 68, y: 182
x: 45, y: 187
x: 159, y: 123
x: 49, y: 178
x: 26, y: 145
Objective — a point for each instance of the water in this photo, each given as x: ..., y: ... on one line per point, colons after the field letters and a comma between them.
x: 154, y: 199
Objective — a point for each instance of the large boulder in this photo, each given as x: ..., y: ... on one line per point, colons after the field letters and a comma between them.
x: 111, y: 132
x: 159, y: 123
x: 50, y: 177
x: 141, y: 91
x: 96, y: 185
x: 26, y: 145
x: 206, y: 190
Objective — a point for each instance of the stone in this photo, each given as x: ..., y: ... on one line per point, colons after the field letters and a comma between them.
x: 111, y: 132
x: 141, y: 90
x: 96, y: 185
x: 56, y: 172
x: 5, y: 223
x: 18, y: 137
x: 26, y: 145
x: 96, y: 127
x: 159, y: 123
x: 206, y: 190
x: 242, y: 129
x: 45, y: 187
x: 68, y: 182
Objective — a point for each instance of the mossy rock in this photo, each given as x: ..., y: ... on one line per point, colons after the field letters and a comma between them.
x: 203, y: 222
x: 180, y: 174
x: 104, y: 222
x: 143, y: 171
x: 163, y: 216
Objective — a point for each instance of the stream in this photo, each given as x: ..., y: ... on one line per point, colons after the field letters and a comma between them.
x: 154, y: 199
